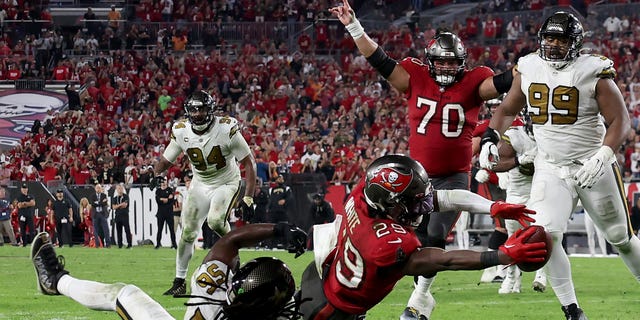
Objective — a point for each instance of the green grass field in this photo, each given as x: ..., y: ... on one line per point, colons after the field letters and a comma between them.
x: 604, y: 286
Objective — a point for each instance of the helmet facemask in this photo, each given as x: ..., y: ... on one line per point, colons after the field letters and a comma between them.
x: 200, y: 108
x: 560, y: 39
x: 446, y: 57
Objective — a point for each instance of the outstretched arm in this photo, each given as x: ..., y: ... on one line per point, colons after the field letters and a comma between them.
x: 387, y: 67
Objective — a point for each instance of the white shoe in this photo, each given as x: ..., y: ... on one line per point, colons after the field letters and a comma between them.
x: 489, y: 274
x: 512, y: 281
x: 540, y: 282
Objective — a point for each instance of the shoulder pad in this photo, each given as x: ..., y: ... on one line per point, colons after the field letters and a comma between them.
x: 603, y: 66
x: 228, y: 123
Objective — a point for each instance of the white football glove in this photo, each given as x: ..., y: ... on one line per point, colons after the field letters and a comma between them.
x: 593, y: 169
x: 528, y: 156
x: 482, y: 176
x: 489, y: 156
x: 503, y: 180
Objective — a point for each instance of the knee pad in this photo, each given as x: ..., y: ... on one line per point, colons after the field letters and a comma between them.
x: 497, y: 239
x: 434, y: 242
x: 618, y: 235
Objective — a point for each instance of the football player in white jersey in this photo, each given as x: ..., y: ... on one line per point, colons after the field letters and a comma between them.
x: 214, y: 145
x: 262, y: 288
x: 565, y: 92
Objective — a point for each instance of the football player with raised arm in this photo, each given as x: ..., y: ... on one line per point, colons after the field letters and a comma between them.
x: 443, y: 102
x: 260, y: 289
x: 362, y: 254
x: 568, y: 94
x: 214, y: 145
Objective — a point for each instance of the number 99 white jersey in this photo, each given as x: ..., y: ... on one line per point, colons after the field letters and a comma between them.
x: 562, y: 105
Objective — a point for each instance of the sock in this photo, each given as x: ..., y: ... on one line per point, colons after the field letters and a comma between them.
x: 559, y: 273
x: 91, y: 294
x: 421, y: 298
x: 630, y: 254
x: 184, y: 254
x: 133, y: 303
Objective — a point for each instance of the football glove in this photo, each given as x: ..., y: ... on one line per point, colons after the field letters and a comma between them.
x: 519, y: 251
x: 482, y: 176
x: 155, y: 182
x: 519, y: 212
x: 246, y: 207
x: 296, y: 238
x: 489, y: 156
x: 593, y: 169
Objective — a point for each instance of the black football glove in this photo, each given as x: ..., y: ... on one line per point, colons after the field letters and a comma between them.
x: 246, y: 207
x: 295, y: 237
x: 155, y: 182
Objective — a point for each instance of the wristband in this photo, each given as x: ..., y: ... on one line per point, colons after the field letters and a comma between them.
x: 489, y: 259
x: 354, y: 28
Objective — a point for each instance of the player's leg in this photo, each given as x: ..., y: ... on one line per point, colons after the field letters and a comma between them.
x: 194, y: 211
x: 591, y: 238
x: 462, y: 233
x: 606, y: 204
x: 438, y: 227
x: 221, y: 202
x: 554, y: 199
x: 127, y: 300
x: 513, y: 276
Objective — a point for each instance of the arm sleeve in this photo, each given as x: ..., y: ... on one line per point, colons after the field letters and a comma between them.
x: 172, y: 151
x: 462, y: 200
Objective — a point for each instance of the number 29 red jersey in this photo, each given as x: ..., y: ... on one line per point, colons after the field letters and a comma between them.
x: 442, y: 119
x: 365, y: 261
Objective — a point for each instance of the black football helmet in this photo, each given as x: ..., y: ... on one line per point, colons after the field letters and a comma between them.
x: 399, y: 187
x: 261, y: 289
x: 563, y: 25
x: 200, y: 108
x: 446, y: 46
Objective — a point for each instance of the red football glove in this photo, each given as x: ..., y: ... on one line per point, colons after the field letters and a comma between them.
x: 520, y: 252
x: 501, y: 209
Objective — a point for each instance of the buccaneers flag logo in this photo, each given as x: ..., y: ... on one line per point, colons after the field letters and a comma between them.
x: 392, y: 180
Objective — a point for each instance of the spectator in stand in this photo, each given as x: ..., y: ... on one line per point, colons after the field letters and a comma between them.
x: 26, y: 205
x: 120, y: 205
x: 514, y: 28
x: 114, y: 18
x: 100, y: 216
x: 63, y: 219
x: 6, y: 229
x: 613, y: 25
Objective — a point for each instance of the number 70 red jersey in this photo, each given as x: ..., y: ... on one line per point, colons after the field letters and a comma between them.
x: 368, y: 257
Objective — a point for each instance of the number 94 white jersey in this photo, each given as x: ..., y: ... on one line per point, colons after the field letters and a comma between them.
x: 562, y: 105
x: 214, y: 154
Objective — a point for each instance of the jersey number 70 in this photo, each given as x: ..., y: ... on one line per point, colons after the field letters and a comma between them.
x: 445, y: 127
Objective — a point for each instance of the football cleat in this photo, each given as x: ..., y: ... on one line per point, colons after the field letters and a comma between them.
x: 572, y: 312
x: 512, y: 281
x: 410, y: 313
x: 49, y: 267
x: 540, y: 282
x: 179, y: 287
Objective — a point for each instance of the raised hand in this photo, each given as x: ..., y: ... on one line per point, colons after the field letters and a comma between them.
x: 519, y: 251
x: 344, y: 13
x: 504, y: 210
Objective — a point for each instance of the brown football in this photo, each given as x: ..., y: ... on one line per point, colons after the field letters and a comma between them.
x: 539, y: 235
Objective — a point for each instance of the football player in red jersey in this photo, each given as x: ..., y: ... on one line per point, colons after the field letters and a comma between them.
x: 360, y: 256
x: 443, y: 100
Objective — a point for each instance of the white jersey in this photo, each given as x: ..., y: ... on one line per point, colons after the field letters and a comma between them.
x: 214, y: 154
x: 519, y: 184
x: 563, y: 107
x: 209, y: 281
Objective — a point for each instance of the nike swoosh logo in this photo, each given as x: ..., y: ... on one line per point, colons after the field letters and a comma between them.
x: 509, y: 246
x: 398, y: 240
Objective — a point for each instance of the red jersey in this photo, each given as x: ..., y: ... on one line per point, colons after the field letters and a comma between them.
x: 366, y: 246
x: 441, y: 122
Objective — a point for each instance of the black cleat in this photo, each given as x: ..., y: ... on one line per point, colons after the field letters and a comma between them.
x: 178, y: 288
x: 49, y: 267
x: 572, y: 312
